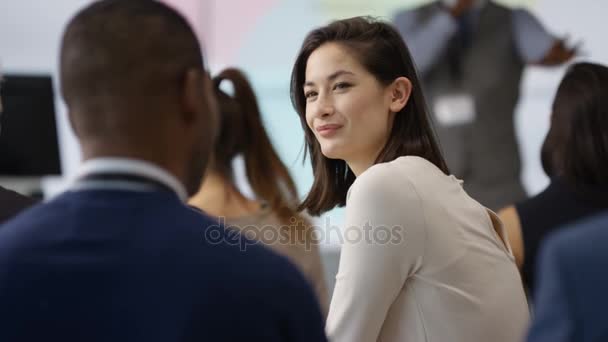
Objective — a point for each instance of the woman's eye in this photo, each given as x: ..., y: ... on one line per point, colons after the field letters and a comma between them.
x: 310, y: 94
x: 341, y: 85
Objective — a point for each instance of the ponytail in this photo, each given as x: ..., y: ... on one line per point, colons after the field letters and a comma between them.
x: 243, y: 132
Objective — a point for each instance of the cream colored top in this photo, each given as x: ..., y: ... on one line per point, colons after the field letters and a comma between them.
x: 443, y: 276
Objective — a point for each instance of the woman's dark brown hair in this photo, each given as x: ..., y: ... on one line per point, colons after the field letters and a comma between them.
x: 383, y: 53
x: 242, y: 133
x: 576, y: 146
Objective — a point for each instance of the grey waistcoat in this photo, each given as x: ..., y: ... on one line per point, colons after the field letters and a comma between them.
x: 483, y: 153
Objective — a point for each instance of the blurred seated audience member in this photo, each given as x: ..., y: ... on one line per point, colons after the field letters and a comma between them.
x: 121, y: 256
x: 270, y: 217
x: 575, y: 157
x: 571, y: 297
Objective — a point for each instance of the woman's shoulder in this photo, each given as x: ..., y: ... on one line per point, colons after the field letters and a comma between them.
x: 405, y: 179
x: 393, y: 181
x: 406, y: 168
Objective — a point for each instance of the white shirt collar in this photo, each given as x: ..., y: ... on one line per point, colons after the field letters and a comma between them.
x: 133, y: 167
x: 477, y: 4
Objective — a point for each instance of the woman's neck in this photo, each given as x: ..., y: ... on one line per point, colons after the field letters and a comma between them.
x: 218, y: 197
x: 359, y: 165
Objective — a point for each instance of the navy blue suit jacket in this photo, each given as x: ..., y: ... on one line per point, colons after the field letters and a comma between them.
x: 572, y: 291
x: 109, y: 265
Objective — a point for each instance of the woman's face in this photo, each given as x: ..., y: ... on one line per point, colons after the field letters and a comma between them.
x: 347, y: 108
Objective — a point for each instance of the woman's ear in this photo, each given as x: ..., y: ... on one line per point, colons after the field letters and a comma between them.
x: 400, y: 91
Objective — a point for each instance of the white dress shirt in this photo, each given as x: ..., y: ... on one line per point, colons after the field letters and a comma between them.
x: 127, y: 166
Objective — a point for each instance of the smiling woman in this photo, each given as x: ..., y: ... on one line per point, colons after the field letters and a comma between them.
x: 348, y: 124
x: 422, y: 261
x: 365, y: 82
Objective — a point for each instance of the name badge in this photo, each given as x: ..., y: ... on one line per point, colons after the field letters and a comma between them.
x: 454, y: 110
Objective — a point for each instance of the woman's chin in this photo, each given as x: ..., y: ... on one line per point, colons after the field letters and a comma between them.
x: 332, y: 153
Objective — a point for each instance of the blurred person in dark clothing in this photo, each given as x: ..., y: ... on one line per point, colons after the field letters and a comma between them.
x: 575, y: 157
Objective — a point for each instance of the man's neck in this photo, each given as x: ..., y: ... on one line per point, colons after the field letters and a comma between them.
x: 131, y: 161
x: 151, y: 155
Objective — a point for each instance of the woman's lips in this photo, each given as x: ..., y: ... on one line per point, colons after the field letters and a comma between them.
x: 328, y: 129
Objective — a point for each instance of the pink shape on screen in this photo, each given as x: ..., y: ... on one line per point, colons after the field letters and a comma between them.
x: 223, y: 25
x: 195, y: 12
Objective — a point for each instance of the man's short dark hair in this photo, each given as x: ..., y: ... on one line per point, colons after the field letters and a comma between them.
x: 117, y: 52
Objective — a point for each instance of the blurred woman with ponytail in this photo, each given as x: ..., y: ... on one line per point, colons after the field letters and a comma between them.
x: 271, y: 217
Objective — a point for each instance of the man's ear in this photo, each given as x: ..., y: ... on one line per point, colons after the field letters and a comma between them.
x: 400, y: 91
x: 211, y: 107
x: 199, y: 103
x: 192, y: 91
